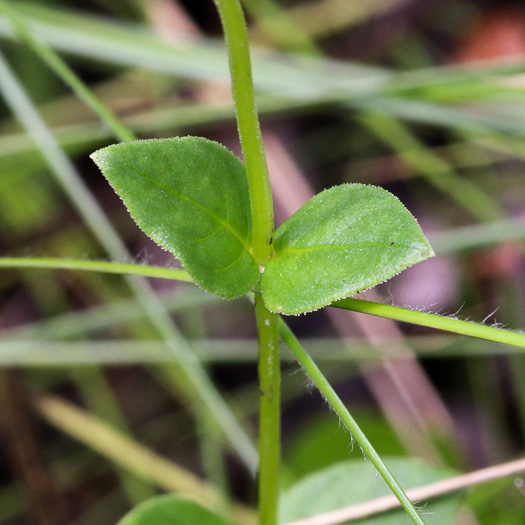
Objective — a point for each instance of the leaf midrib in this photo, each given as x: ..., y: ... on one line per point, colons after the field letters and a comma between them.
x: 338, y: 247
x: 199, y: 206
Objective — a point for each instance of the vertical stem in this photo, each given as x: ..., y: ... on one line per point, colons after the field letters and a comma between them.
x: 261, y: 204
x: 236, y: 37
x: 269, y: 426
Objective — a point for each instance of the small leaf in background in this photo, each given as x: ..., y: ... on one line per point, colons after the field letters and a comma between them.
x: 319, y: 442
x: 352, y: 482
x: 346, y: 239
x: 170, y: 510
x: 190, y: 195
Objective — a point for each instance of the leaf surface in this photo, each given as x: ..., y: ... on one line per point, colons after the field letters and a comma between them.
x: 346, y: 239
x: 190, y: 195
x: 353, y: 482
x: 170, y: 510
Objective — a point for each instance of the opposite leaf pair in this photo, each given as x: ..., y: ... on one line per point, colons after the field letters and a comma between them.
x: 190, y: 195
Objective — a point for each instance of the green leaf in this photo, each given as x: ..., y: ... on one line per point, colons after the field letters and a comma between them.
x: 170, y: 510
x: 319, y: 441
x: 346, y: 239
x: 352, y: 482
x: 190, y: 195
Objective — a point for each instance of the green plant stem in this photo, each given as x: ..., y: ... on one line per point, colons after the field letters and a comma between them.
x: 53, y: 60
x: 236, y: 36
x: 269, y: 425
x: 440, y: 322
x: 313, y: 372
x: 95, y: 266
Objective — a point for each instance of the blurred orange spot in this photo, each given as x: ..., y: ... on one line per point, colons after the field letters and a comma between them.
x: 496, y: 33
x: 502, y: 261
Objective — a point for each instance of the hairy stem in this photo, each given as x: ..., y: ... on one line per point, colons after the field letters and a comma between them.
x: 262, y: 231
x: 269, y: 426
x: 449, y: 324
x: 54, y: 263
x: 439, y: 322
x: 249, y: 130
x: 339, y: 408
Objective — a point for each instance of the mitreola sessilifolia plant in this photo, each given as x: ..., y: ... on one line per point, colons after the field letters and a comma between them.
x: 199, y: 201
x: 214, y: 212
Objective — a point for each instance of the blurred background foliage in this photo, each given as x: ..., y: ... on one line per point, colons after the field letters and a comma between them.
x: 424, y: 97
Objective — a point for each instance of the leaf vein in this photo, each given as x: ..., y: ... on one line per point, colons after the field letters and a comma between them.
x: 227, y: 226
x: 344, y: 247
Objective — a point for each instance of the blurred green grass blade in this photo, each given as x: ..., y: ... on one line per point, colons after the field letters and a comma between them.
x: 75, y: 138
x: 129, y: 45
x: 31, y: 353
x: 90, y: 381
x: 293, y: 77
x: 419, y: 111
x: 65, y: 73
x: 192, y: 376
x: 274, y: 22
x: 475, y: 152
x: 101, y: 401
x: 201, y: 59
x: 130, y: 454
x: 477, y: 236
x: 434, y: 168
x: 459, y: 77
x: 214, y: 464
x: 326, y: 17
x: 115, y: 313
x: 19, y: 150
x: 136, y: 45
x: 101, y: 318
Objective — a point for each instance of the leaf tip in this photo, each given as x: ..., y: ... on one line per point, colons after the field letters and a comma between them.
x: 100, y: 158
